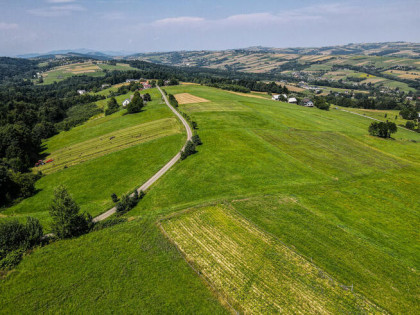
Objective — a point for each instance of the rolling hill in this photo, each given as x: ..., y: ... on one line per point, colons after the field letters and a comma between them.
x: 283, y: 208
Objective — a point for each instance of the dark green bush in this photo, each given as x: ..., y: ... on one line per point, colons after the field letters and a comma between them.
x: 12, y: 259
x: 34, y: 230
x: 188, y: 150
x: 13, y: 235
x: 114, y: 198
x: 196, y: 140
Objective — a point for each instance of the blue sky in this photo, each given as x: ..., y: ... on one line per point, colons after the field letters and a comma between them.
x: 162, y: 25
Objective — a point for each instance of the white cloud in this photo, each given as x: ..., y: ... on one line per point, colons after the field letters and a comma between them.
x: 8, y: 26
x: 55, y: 11
x: 182, y: 20
x: 239, y: 20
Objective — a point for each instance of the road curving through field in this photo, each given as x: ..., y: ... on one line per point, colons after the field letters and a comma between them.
x: 164, y: 169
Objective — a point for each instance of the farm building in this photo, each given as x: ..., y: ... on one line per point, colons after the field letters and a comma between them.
x: 81, y: 92
x: 126, y: 102
x: 307, y: 102
x: 292, y: 100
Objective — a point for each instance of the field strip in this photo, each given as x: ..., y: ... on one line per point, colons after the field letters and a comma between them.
x: 187, y: 98
x: 254, y: 271
x: 247, y: 94
x: 112, y: 142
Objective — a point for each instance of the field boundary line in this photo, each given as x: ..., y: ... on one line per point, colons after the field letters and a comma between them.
x: 164, y: 169
x: 220, y: 296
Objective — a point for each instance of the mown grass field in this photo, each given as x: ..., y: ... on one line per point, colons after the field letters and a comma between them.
x: 109, y: 143
x: 255, y: 271
x: 313, y: 180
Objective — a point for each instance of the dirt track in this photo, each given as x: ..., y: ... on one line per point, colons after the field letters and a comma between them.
x: 163, y: 170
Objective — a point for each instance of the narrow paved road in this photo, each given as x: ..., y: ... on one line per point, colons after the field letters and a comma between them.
x: 164, y: 169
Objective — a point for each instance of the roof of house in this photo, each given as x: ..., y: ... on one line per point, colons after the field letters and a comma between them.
x: 292, y: 99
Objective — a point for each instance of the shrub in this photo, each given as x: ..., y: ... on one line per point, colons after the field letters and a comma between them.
x: 188, y: 150
x: 194, y: 125
x: 128, y: 201
x: 34, y: 230
x: 67, y: 221
x: 12, y: 259
x: 13, y: 235
x: 410, y: 125
x: 114, y: 198
x: 196, y: 140
x: 147, y: 97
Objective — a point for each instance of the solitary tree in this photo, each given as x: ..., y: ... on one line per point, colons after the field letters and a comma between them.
x: 67, y: 222
x: 382, y: 129
x: 112, y: 106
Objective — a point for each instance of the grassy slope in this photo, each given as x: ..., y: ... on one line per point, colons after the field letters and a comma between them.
x: 129, y: 268
x: 364, y: 185
x: 356, y: 211
x: 64, y: 72
x: 92, y: 182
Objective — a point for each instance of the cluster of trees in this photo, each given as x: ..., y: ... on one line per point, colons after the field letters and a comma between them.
x: 409, y: 113
x: 136, y: 104
x: 230, y: 87
x: 321, y: 103
x: 16, y: 238
x: 190, y: 147
x: 363, y: 100
x: 382, y: 129
x: 172, y: 100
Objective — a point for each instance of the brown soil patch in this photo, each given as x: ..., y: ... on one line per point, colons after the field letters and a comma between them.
x: 187, y: 98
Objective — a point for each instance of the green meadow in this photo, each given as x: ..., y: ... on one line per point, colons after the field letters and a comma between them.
x: 87, y: 68
x: 93, y: 167
x: 313, y: 181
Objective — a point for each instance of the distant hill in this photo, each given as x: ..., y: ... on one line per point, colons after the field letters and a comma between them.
x: 391, y: 65
x: 77, y: 52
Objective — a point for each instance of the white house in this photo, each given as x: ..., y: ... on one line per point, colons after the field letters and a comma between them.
x: 81, y: 92
x: 126, y: 102
x: 292, y: 100
x: 307, y: 102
